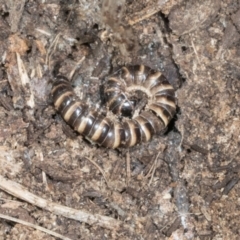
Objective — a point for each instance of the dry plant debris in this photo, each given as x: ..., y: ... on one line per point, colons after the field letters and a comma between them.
x: 181, y: 185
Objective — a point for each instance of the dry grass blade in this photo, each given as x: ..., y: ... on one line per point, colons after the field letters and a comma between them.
x: 152, y: 170
x: 52, y: 49
x: 78, y: 64
x: 99, y: 168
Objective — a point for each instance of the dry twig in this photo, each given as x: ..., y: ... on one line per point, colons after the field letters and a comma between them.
x: 34, y: 226
x: 147, y: 12
x: 20, y: 192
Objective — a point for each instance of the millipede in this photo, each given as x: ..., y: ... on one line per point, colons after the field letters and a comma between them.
x: 129, y: 126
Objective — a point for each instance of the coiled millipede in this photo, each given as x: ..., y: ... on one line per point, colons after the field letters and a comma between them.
x: 120, y: 131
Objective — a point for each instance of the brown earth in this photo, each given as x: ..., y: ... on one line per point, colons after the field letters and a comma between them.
x: 182, y: 185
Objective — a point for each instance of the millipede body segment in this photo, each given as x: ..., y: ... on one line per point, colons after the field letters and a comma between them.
x: 121, y: 131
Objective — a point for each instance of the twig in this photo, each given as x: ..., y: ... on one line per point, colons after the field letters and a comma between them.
x: 34, y: 226
x: 21, y: 192
x: 147, y: 12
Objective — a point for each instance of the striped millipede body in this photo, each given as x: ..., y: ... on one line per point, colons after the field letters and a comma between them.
x: 112, y: 132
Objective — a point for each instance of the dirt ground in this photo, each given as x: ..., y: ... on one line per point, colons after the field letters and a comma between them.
x: 183, y: 184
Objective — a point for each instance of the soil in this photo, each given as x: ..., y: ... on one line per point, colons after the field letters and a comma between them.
x: 183, y: 184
